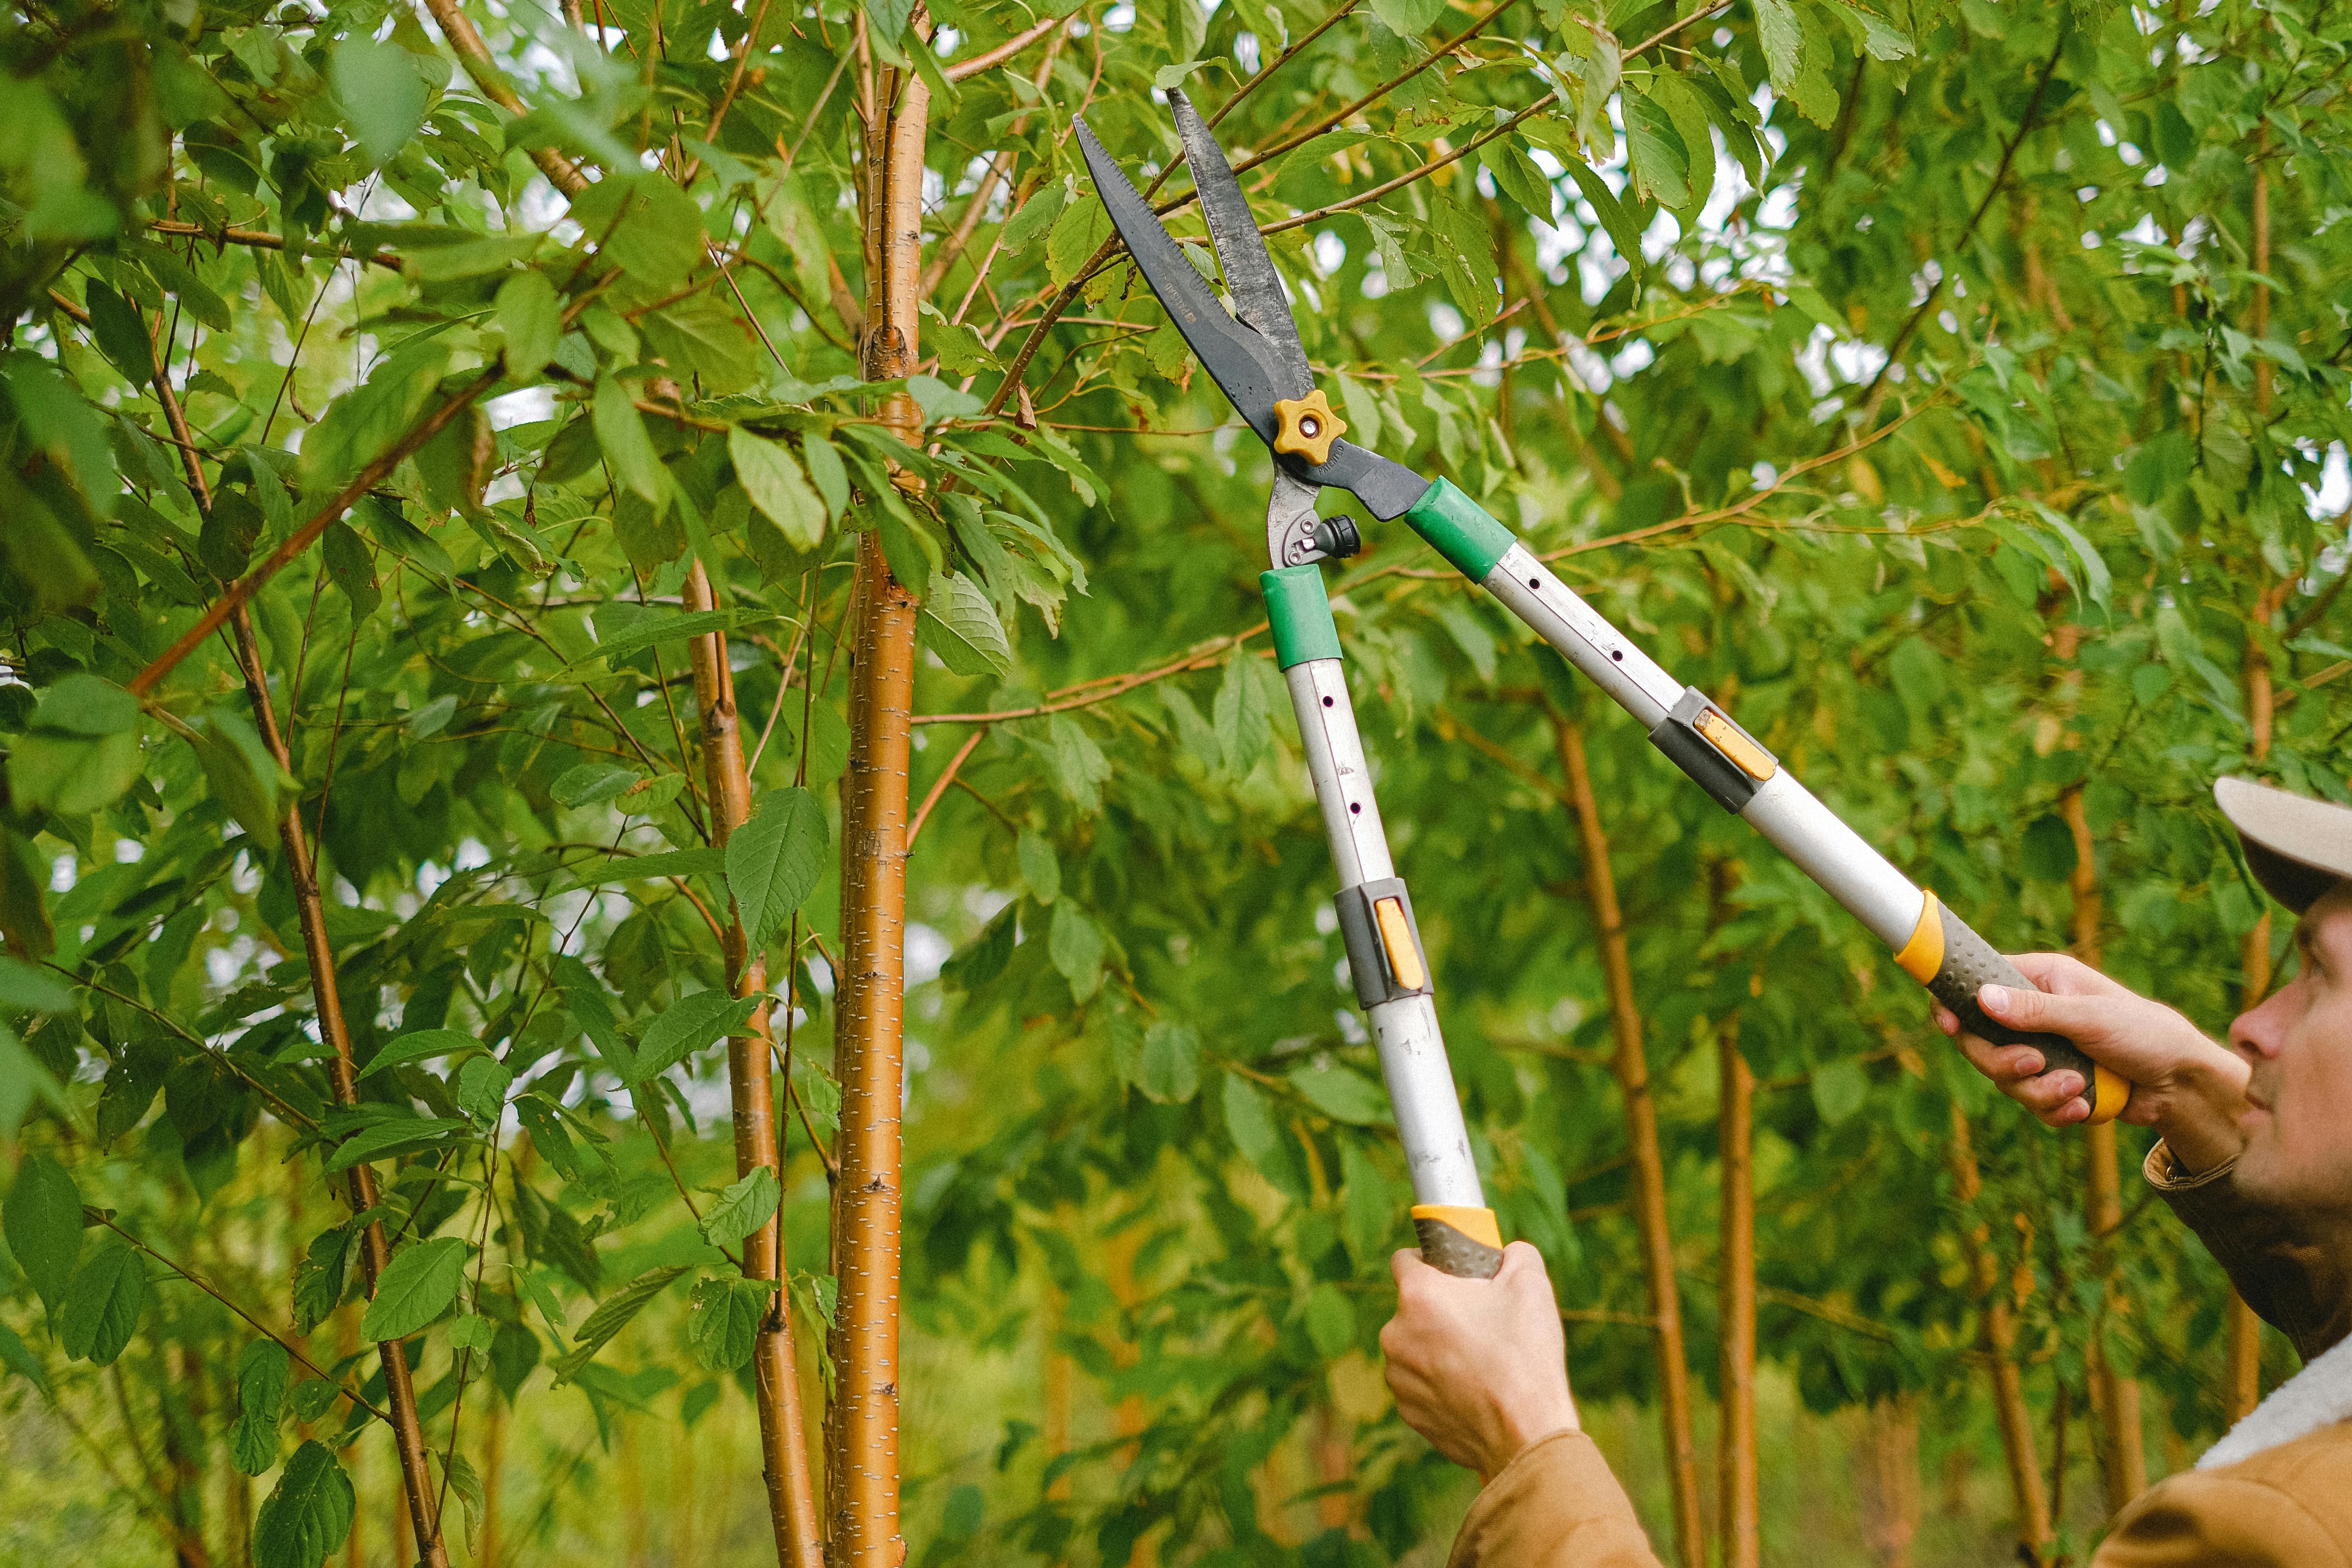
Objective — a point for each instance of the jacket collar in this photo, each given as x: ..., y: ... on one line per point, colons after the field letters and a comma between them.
x: 2319, y: 1396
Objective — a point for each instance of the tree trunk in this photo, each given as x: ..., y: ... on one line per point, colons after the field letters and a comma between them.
x: 1996, y: 1336
x: 1736, y: 1472
x: 2122, y: 1455
x: 1890, y: 1480
x: 862, y: 1427
x: 1649, y: 1167
x: 181, y: 1414
x: 400, y: 1392
x: 784, y: 1447
x: 2241, y: 1382
x: 494, y: 1458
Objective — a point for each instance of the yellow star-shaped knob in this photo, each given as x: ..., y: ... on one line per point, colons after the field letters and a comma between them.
x: 1308, y: 427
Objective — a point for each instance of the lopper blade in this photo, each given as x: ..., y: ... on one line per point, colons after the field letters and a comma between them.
x: 1250, y: 278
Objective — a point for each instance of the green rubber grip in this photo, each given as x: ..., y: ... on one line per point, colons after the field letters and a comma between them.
x: 1460, y: 529
x: 1299, y: 611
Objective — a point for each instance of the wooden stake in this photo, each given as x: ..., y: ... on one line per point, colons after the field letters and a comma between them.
x: 1998, y: 1336
x: 1649, y: 1167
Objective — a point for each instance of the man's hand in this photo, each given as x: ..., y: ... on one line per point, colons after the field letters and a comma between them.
x: 1480, y: 1367
x: 2183, y: 1085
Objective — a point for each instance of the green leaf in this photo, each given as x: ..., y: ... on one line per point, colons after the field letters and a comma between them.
x: 826, y: 471
x: 1777, y: 30
x: 1342, y: 1094
x: 262, y: 1374
x: 1242, y: 717
x: 70, y: 773
x: 1330, y: 1321
x: 1037, y: 214
x: 529, y: 317
x: 34, y: 990
x: 122, y: 336
x: 1408, y: 19
x: 308, y: 1514
x: 772, y: 480
x: 1040, y: 867
x: 481, y: 1089
x: 387, y: 1139
x: 1660, y: 163
x: 16, y: 1356
x: 1840, y: 1088
x: 1076, y: 237
x: 743, y: 1208
x: 621, y: 433
x: 1075, y: 943
x: 689, y: 1024
x: 417, y: 1046
x: 1249, y: 1121
x: 1367, y: 1215
x: 775, y: 859
x: 644, y: 225
x: 590, y: 784
x: 2047, y: 849
x: 415, y: 1287
x: 1170, y: 1069
x: 960, y: 625
x: 103, y: 1304
x: 1685, y: 105
x: 43, y: 1220
x: 1611, y: 213
x: 611, y: 1315
x: 723, y: 1318
x: 704, y: 339
x: 383, y: 96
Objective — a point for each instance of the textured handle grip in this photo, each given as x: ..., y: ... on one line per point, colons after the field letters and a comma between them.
x: 1449, y: 1249
x: 1970, y: 963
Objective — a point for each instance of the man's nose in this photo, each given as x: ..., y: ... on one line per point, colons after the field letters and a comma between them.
x: 2255, y: 1034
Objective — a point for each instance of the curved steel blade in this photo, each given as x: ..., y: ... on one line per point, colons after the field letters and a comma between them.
x: 1240, y: 358
x: 1250, y: 276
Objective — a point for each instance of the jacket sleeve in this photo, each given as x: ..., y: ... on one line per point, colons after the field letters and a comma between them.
x: 2294, y: 1280
x: 2200, y: 1520
x: 1554, y: 1505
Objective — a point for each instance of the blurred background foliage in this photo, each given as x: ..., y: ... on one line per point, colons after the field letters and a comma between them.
x: 1957, y: 391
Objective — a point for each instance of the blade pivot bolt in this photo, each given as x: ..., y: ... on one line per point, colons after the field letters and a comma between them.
x: 1337, y: 537
x: 1308, y: 427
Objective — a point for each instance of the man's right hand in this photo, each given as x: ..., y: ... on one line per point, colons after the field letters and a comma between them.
x: 2189, y: 1089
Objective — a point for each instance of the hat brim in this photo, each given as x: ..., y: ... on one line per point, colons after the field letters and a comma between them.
x: 2296, y: 847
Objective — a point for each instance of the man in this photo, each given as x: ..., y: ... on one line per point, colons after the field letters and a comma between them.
x: 2255, y: 1156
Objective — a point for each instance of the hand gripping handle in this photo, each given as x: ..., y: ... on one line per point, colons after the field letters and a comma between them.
x: 1465, y: 1243
x: 1953, y: 963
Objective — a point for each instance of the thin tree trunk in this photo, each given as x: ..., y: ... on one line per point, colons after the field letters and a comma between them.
x: 2259, y: 312
x: 181, y: 1414
x: 400, y: 1392
x: 1740, y: 1545
x: 2241, y: 1382
x: 1890, y: 1480
x: 494, y: 1466
x: 1649, y: 1167
x: 783, y: 1445
x: 2123, y: 1454
x: 862, y: 1427
x: 1998, y: 1338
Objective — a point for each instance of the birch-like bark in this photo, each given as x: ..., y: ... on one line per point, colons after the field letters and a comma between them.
x: 862, y: 1427
x: 1649, y: 1166
x: 783, y: 1445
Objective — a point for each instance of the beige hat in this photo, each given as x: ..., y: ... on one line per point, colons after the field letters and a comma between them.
x: 2297, y: 847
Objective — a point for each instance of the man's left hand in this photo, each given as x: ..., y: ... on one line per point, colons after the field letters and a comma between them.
x: 1480, y: 1367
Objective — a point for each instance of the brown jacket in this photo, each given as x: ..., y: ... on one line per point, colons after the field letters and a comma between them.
x: 1556, y: 1505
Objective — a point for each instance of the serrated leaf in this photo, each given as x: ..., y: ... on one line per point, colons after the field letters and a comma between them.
x: 1342, y: 1094
x: 42, y: 1217
x: 481, y: 1090
x: 1655, y: 151
x: 621, y: 433
x: 1076, y: 237
x: 417, y: 1046
x: 688, y: 1025
x: 744, y: 1207
x: 307, y: 1515
x: 102, y: 1306
x: 775, y: 859
x: 645, y: 226
x: 1243, y: 717
x: 415, y: 1287
x: 591, y: 782
x: 960, y: 625
x: 722, y: 1320
x: 1075, y: 942
x: 1783, y: 40
x: 772, y: 480
x: 529, y: 317
x: 611, y: 1315
x: 382, y: 96
x: 387, y: 1139
x: 262, y: 1374
x: 1037, y: 214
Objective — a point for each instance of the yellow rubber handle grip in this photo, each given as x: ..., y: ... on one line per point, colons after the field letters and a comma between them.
x: 1463, y: 1242
x: 1954, y: 963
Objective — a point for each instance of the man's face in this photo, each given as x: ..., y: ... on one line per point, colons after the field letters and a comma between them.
x: 2299, y: 1043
